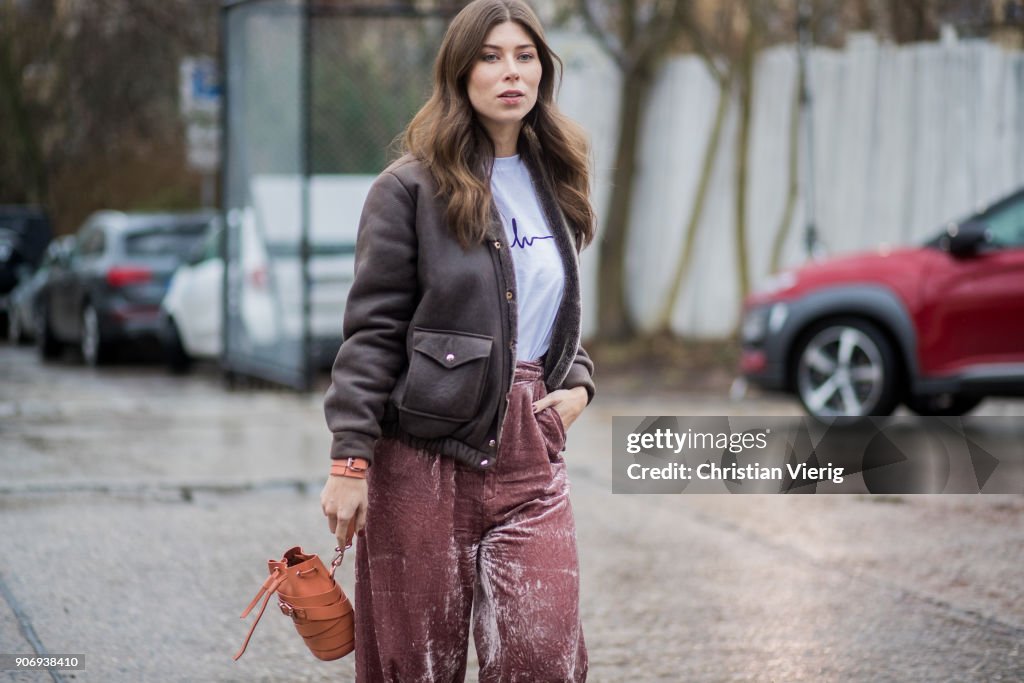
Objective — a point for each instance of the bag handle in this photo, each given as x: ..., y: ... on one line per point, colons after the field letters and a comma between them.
x: 336, y: 562
x: 350, y: 534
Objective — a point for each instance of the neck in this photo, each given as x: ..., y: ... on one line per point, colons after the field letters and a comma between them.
x: 505, y: 138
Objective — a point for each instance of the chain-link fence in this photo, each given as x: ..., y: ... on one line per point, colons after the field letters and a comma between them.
x: 315, y: 94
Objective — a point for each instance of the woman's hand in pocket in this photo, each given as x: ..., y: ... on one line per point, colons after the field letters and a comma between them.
x: 568, y: 403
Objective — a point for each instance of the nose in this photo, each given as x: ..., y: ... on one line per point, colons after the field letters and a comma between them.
x: 513, y: 71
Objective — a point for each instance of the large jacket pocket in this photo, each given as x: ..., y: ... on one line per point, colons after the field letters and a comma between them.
x: 447, y: 374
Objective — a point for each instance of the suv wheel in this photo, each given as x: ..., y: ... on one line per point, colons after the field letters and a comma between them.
x: 49, y: 347
x: 92, y: 345
x: 846, y: 368
x: 14, y: 332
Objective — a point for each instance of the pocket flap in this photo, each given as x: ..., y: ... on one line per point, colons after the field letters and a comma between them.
x: 451, y: 349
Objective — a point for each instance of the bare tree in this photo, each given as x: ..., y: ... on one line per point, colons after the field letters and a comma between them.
x: 637, y: 34
x: 22, y: 164
x: 89, y: 102
x: 710, y: 45
x: 729, y: 48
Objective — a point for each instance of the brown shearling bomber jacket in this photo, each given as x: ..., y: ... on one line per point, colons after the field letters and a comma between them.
x: 430, y: 328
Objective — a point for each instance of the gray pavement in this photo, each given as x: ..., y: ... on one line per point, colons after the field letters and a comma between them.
x: 137, y: 511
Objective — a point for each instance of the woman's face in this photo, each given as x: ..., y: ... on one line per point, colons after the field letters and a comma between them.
x: 503, y: 83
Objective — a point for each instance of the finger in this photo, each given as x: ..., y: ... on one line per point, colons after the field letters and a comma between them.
x: 341, y: 530
x: 361, y: 519
x: 350, y: 532
x: 332, y: 523
x: 543, y: 403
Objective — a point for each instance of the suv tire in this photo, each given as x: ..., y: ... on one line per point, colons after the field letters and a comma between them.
x: 846, y: 367
x: 92, y: 346
x: 15, y: 333
x: 49, y: 347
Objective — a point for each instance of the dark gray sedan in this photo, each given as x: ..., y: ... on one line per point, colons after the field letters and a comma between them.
x: 109, y: 287
x: 24, y: 300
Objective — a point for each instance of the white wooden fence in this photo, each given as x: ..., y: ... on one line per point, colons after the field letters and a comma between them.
x: 906, y: 138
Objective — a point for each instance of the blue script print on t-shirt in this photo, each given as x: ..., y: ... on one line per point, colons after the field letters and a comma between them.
x: 525, y: 241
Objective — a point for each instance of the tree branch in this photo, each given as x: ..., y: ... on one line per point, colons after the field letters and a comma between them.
x: 696, y: 36
x: 607, y: 42
x: 663, y: 30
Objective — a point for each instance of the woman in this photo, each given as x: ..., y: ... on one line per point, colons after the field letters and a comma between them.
x: 462, y: 369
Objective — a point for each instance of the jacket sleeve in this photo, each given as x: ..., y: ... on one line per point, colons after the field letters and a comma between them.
x: 380, y: 304
x: 581, y: 374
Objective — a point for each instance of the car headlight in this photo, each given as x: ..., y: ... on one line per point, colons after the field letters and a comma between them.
x: 777, y: 317
x: 762, y: 321
x: 755, y: 325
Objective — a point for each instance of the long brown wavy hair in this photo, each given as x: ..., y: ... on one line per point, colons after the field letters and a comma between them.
x: 446, y: 135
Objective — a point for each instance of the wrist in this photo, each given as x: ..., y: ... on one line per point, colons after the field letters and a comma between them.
x: 581, y: 392
x: 353, y: 468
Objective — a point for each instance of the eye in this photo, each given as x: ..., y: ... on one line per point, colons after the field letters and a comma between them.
x: 526, y: 56
x: 489, y: 57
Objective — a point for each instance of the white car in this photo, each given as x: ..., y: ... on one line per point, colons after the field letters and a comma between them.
x: 268, y: 313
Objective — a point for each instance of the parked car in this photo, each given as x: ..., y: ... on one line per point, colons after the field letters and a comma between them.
x: 24, y: 233
x: 109, y: 289
x: 938, y: 328
x: 24, y: 299
x: 192, y: 309
x: 269, y: 293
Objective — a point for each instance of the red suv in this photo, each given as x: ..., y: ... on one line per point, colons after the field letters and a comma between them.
x: 938, y: 327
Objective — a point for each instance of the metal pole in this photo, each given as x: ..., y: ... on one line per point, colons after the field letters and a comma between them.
x: 804, y: 44
x: 306, y: 117
x: 224, y: 193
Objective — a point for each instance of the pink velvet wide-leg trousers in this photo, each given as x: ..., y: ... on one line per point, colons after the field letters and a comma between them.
x: 447, y: 545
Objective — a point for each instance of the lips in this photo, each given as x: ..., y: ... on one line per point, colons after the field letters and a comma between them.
x: 511, y: 94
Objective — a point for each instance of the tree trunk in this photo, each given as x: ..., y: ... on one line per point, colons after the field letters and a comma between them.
x: 664, y: 324
x: 793, y: 190
x: 746, y: 67
x: 24, y: 142
x: 613, y: 317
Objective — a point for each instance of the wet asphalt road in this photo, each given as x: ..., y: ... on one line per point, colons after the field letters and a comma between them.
x: 137, y: 511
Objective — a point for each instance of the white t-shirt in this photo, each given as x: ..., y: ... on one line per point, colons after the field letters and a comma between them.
x: 539, y: 276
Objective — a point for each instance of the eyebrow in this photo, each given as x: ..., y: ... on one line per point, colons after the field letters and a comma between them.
x: 517, y: 47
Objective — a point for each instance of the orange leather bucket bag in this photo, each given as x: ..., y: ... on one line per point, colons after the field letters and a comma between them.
x: 308, y: 594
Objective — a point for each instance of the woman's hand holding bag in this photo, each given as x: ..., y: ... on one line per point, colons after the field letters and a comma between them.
x: 306, y: 591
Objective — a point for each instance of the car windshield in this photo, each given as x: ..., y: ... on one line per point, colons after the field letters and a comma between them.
x: 177, y: 240
x: 22, y: 223
x: 1006, y: 223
